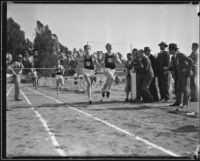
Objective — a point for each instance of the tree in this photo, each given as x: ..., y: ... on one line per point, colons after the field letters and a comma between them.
x: 16, y: 42
x: 48, y: 47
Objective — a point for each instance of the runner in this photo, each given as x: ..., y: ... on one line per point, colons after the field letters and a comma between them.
x: 109, y: 59
x: 34, y: 76
x: 89, y: 65
x: 59, y: 75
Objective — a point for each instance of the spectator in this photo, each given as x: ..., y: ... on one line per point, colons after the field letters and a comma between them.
x: 183, y: 66
x: 136, y: 65
x: 163, y: 60
x: 128, y: 67
x: 16, y: 67
x: 146, y: 75
x: 193, y: 79
x: 152, y: 88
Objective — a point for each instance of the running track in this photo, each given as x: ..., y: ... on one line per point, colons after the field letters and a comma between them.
x: 66, y: 125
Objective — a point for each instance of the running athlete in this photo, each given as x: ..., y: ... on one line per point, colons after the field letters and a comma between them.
x: 89, y: 62
x: 109, y: 59
x: 59, y: 75
x: 34, y: 76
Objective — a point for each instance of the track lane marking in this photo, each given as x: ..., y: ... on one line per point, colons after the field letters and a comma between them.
x: 9, y: 91
x: 51, y: 134
x: 113, y: 126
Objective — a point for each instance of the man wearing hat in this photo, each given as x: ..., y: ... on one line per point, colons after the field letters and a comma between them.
x: 144, y: 68
x: 193, y: 79
x: 183, y: 66
x: 16, y: 67
x: 163, y: 60
x: 152, y: 87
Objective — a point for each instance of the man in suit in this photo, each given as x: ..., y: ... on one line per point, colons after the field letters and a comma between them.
x: 193, y: 79
x: 145, y: 70
x: 183, y: 66
x: 174, y: 76
x: 163, y: 60
x: 152, y: 88
x: 16, y: 67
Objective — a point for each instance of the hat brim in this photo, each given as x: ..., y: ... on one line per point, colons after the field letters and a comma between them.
x: 173, y: 48
x: 163, y: 44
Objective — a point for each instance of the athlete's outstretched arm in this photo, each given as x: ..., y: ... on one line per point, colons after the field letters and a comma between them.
x: 117, y: 59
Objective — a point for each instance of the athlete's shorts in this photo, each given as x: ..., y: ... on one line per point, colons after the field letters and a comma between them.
x: 88, y: 72
x: 34, y: 74
x: 111, y: 72
x: 60, y: 79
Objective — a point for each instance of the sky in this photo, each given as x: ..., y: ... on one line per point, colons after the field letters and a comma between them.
x: 125, y: 26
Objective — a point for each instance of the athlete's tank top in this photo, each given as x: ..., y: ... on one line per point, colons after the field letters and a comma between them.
x: 59, y: 70
x: 109, y: 61
x: 88, y: 63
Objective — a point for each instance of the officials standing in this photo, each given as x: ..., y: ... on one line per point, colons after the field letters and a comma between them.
x: 145, y: 70
x: 183, y: 65
x: 193, y: 79
x: 136, y: 64
x: 152, y: 88
x: 163, y: 60
x: 16, y: 67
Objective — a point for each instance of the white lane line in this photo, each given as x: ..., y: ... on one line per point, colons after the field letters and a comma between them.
x: 9, y: 90
x: 51, y: 134
x: 113, y: 126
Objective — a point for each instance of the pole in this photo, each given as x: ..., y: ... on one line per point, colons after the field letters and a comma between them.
x: 131, y: 47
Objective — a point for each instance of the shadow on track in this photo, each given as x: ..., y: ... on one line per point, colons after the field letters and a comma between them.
x: 186, y: 129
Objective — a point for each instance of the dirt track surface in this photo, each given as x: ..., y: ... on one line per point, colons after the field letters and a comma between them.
x: 111, y: 128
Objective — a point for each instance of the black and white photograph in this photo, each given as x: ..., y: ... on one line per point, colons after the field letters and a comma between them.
x: 86, y: 80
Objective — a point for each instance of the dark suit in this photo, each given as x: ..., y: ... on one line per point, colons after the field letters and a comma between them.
x: 174, y: 72
x: 163, y: 60
x: 17, y: 68
x: 152, y: 87
x: 182, y: 62
x: 145, y: 71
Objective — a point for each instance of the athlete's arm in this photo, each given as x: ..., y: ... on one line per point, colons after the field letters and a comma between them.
x: 102, y: 59
x: 117, y: 59
x: 11, y: 66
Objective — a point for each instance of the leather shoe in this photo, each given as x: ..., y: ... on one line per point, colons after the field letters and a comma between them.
x: 175, y: 104
x: 18, y: 99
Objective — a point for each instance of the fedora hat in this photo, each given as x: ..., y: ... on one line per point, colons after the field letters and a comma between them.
x: 163, y: 43
x: 147, y: 49
x: 173, y: 46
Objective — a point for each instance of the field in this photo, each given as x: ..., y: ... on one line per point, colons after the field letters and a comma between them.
x: 47, y: 124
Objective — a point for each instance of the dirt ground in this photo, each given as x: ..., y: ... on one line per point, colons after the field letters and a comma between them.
x: 110, y: 128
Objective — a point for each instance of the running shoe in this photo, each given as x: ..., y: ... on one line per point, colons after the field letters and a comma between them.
x: 126, y: 100
x: 18, y: 99
x: 108, y: 94
x: 175, y: 104
x: 184, y: 106
x: 90, y: 102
